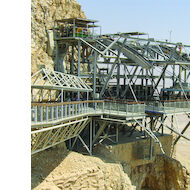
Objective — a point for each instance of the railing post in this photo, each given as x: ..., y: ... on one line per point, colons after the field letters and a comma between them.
x: 65, y: 110
x: 47, y: 113
x: 61, y: 111
x: 57, y: 112
x: 32, y: 113
x: 95, y: 106
x: 103, y: 107
x: 76, y: 109
x: 52, y: 113
x: 41, y: 113
x: 69, y: 109
x: 35, y: 118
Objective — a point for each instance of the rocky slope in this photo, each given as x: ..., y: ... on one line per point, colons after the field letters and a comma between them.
x: 55, y: 169
x: 165, y: 173
x: 77, y: 171
x: 43, y: 15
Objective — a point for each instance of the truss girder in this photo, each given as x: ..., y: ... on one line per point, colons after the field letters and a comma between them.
x: 49, y: 79
x: 42, y: 139
x: 129, y: 52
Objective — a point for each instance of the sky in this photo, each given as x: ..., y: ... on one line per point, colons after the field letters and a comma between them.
x: 158, y: 18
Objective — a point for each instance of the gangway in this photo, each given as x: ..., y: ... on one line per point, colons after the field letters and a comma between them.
x: 54, y: 123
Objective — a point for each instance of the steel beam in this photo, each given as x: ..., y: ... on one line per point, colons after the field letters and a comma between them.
x: 131, y: 78
x: 182, y: 132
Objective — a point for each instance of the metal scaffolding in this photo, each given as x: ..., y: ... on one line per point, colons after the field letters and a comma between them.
x: 127, y: 78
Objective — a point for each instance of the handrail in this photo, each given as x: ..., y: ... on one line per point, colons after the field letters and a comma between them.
x: 182, y: 100
x: 124, y: 102
x: 79, y: 102
x: 178, y: 100
x: 66, y: 103
x: 43, y: 112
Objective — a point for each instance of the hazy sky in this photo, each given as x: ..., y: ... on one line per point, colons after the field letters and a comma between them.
x: 156, y: 17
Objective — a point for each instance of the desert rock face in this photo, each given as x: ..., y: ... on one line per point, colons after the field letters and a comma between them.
x: 165, y: 173
x: 77, y: 171
x: 43, y: 15
x: 58, y: 170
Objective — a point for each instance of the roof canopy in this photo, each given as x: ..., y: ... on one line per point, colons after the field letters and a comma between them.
x: 49, y: 79
x: 77, y: 20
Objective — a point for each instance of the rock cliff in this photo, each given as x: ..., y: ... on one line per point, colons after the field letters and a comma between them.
x: 43, y: 15
x: 165, y: 173
x: 77, y: 171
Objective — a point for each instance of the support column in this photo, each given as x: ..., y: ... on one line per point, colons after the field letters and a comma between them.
x: 117, y: 133
x: 72, y: 61
x: 70, y: 144
x: 151, y: 146
x: 162, y: 126
x: 180, y: 77
x: 173, y: 77
x: 118, y: 79
x: 146, y: 88
x: 163, y: 78
x: 142, y: 84
x: 74, y: 28
x: 94, y: 75
x: 79, y: 55
x: 72, y: 69
x: 94, y: 128
x: 185, y: 75
x: 56, y: 57
x: 172, y: 121
x: 90, y: 137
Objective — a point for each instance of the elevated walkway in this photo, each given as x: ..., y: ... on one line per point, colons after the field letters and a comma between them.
x: 53, y: 123
x: 46, y: 114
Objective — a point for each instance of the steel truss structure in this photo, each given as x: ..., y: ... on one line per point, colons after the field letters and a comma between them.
x: 44, y: 138
x: 122, y: 67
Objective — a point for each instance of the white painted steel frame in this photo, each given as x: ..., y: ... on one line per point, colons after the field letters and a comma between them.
x: 49, y: 79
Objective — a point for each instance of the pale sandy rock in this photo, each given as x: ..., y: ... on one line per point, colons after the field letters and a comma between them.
x: 164, y: 173
x: 77, y: 171
x: 43, y: 15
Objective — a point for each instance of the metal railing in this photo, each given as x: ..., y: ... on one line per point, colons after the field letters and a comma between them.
x: 169, y: 106
x: 83, y: 32
x: 122, y: 108
x: 41, y: 112
x: 47, y: 112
